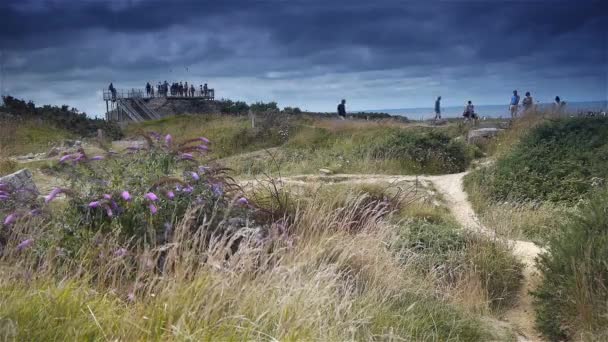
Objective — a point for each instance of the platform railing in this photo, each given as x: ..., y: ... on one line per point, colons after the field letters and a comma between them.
x: 140, y: 94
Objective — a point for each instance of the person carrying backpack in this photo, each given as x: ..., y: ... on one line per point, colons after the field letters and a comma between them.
x: 342, y: 110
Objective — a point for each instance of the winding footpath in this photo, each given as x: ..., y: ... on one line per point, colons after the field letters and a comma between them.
x: 521, y: 315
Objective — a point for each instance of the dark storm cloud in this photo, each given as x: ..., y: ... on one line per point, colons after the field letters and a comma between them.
x: 96, y: 40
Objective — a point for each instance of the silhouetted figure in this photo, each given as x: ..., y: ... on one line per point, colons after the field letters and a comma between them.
x: 342, y: 110
x: 514, y: 105
x: 558, y: 105
x: 201, y: 89
x: 192, y: 90
x: 527, y: 102
x: 205, y: 90
x: 151, y: 91
x: 148, y: 89
x: 469, y: 112
x: 166, y: 88
x: 112, y: 91
x: 186, y: 89
x: 438, y: 108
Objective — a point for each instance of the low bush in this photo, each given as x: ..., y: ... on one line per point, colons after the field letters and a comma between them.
x: 557, y: 161
x: 62, y: 117
x: 571, y: 299
x: 428, y: 152
x: 453, y: 255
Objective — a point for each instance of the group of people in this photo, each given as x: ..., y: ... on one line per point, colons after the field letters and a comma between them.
x: 527, y: 104
x: 181, y: 89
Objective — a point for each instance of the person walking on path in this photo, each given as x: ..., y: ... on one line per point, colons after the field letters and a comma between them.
x: 342, y: 110
x: 514, y: 106
x: 438, y: 108
x: 527, y: 102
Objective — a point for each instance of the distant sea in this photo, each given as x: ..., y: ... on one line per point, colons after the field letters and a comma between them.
x: 492, y: 111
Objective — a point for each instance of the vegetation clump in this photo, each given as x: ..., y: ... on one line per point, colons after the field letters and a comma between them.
x: 558, y: 161
x: 59, y: 117
x: 571, y: 300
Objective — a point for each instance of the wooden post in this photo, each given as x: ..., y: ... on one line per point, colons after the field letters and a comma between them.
x: 107, y: 111
x: 252, y: 116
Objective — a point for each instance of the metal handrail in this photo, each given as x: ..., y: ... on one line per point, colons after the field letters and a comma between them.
x: 140, y: 94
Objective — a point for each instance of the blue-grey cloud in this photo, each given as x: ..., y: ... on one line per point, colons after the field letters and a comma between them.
x: 280, y: 48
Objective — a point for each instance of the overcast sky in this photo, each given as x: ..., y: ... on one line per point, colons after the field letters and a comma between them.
x: 377, y: 54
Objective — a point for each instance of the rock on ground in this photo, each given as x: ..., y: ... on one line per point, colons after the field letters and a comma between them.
x: 22, y: 180
x: 482, y: 134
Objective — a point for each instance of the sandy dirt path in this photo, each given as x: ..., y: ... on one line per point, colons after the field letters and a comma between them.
x: 521, y: 315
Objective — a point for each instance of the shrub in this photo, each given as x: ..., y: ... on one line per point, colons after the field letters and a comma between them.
x: 137, y: 198
x: 432, y: 152
x: 62, y: 117
x: 452, y: 253
x: 571, y: 300
x: 557, y: 161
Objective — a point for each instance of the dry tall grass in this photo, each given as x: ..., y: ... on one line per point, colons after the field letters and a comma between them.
x: 327, y: 276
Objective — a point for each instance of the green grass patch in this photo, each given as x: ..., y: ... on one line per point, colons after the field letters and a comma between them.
x: 571, y: 300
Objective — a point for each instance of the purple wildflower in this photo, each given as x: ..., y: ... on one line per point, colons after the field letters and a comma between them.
x: 120, y: 252
x: 97, y: 158
x: 125, y: 195
x: 168, y: 139
x: 35, y: 212
x: 3, y: 197
x: 203, y: 169
x: 205, y: 140
x: 195, y: 176
x: 154, y: 135
x: 25, y: 244
x: 65, y: 158
x: 80, y: 157
x: 94, y: 204
x: 10, y: 219
x: 153, y: 209
x: 109, y: 211
x: 170, y: 194
x: 3, y: 186
x: 187, y: 156
x: 217, y: 189
x: 107, y: 196
x: 52, y: 195
x: 188, y: 189
x: 242, y: 201
x: 203, y: 147
x: 151, y: 196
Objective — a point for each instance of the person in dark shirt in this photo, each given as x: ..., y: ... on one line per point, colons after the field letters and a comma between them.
x: 438, y: 109
x: 342, y: 109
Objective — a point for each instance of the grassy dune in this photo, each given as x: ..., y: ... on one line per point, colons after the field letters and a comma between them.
x: 297, y: 144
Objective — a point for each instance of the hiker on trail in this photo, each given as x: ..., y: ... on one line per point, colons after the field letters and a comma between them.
x: 527, y: 102
x: 201, y: 89
x: 514, y: 106
x: 342, y: 110
x: 166, y: 88
x: 151, y: 91
x: 186, y: 89
x: 469, y: 112
x: 438, y: 109
x: 192, y: 90
x: 148, y: 88
x: 559, y: 105
x: 205, y: 90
